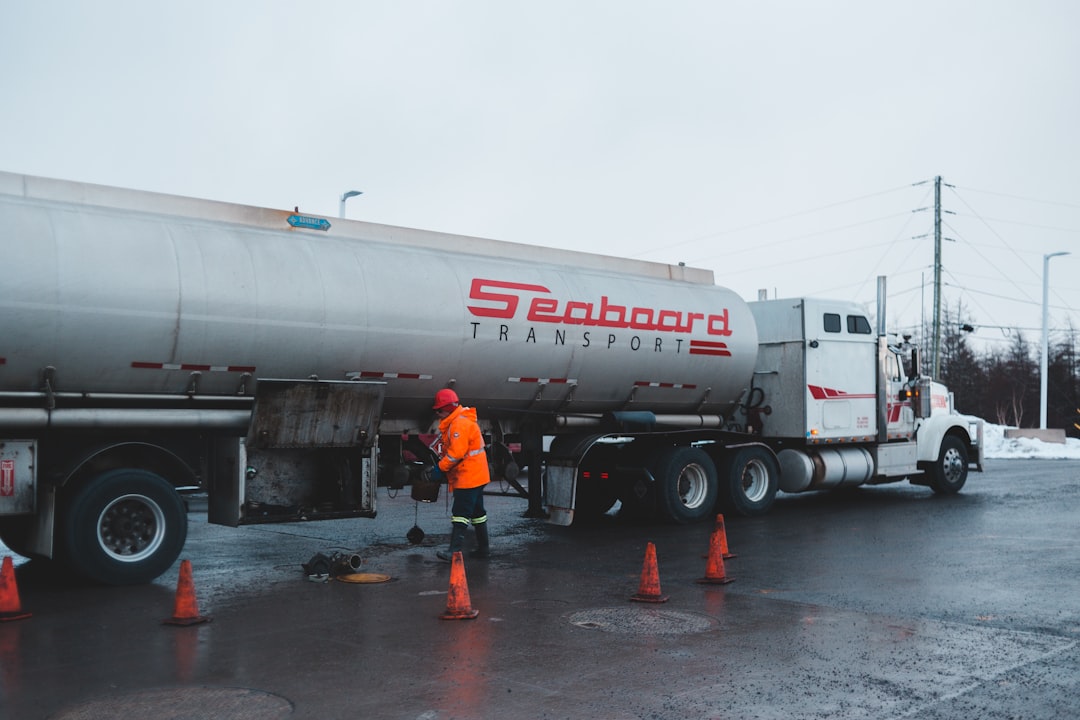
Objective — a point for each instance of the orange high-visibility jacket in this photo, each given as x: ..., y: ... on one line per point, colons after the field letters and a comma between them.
x: 463, y: 460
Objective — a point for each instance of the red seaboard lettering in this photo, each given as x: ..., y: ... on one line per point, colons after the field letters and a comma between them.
x: 605, y: 319
x: 510, y: 301
x: 501, y: 299
x: 543, y: 309
x: 718, y: 324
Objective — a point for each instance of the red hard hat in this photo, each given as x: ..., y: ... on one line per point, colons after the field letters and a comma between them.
x: 445, y: 397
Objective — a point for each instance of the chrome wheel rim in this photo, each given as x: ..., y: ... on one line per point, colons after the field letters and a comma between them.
x: 755, y: 481
x: 131, y: 528
x: 693, y: 486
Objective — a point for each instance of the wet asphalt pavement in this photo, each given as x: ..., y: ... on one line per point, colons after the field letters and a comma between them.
x: 881, y: 603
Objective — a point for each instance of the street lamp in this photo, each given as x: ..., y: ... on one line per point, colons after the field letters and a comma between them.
x: 1045, y: 342
x: 344, y: 197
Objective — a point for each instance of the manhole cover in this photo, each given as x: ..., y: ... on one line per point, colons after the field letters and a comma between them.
x: 181, y: 703
x: 643, y: 621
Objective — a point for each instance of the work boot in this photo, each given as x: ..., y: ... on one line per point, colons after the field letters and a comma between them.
x: 457, y: 541
x: 481, y: 550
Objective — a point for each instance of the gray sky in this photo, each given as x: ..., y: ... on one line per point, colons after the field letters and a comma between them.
x: 775, y: 142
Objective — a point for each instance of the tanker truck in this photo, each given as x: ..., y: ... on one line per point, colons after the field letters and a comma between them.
x: 284, y: 364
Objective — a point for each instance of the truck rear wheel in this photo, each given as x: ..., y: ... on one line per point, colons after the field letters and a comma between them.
x: 949, y: 473
x: 752, y: 481
x: 686, y: 485
x: 124, y: 527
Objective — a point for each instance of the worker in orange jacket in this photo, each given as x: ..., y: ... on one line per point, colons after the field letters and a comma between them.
x: 464, y: 461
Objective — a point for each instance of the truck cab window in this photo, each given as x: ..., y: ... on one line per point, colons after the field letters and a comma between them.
x: 858, y: 325
x: 832, y: 322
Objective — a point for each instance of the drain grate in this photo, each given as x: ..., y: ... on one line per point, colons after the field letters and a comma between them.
x: 182, y: 703
x: 643, y: 621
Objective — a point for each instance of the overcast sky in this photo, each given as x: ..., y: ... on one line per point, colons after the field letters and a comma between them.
x: 777, y: 143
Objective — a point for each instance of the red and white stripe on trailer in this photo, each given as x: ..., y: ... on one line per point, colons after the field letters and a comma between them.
x: 572, y: 381
x: 665, y: 385
x: 193, y: 367
x: 379, y: 375
x: 542, y: 380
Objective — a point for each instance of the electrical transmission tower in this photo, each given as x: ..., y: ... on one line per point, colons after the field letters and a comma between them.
x: 936, y: 351
x: 936, y: 372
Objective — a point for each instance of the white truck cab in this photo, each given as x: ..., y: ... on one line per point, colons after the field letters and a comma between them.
x: 840, y: 408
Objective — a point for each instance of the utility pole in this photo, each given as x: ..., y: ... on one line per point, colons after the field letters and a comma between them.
x: 1045, y: 345
x: 936, y: 374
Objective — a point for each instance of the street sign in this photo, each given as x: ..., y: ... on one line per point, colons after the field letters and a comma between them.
x: 308, y: 222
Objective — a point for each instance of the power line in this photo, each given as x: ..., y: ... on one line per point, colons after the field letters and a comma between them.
x: 1020, y: 197
x: 965, y: 291
x: 774, y: 264
x: 988, y: 261
x: 778, y: 253
x: 1007, y: 246
x: 963, y: 288
x: 874, y: 271
x: 1024, y: 224
x: 998, y: 236
x: 756, y: 249
x: 751, y: 226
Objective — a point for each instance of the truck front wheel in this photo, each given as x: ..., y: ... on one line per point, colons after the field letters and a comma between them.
x: 124, y: 527
x: 752, y: 481
x: 686, y: 485
x: 949, y: 473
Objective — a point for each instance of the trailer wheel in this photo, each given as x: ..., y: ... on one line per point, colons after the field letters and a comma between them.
x: 686, y: 485
x: 124, y: 527
x: 752, y: 481
x: 949, y: 473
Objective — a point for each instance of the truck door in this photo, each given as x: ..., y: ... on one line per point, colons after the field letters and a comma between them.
x: 841, y: 373
x: 898, y: 411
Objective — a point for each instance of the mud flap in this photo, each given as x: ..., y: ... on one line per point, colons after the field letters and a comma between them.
x: 560, y: 489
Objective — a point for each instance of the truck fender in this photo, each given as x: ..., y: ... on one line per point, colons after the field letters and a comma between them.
x: 146, y: 456
x: 932, y: 432
x: 561, y: 475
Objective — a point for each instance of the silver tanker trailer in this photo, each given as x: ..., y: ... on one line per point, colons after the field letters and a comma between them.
x: 285, y: 365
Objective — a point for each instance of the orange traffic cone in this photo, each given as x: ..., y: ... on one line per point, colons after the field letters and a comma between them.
x: 714, y: 569
x: 186, y: 609
x: 10, y: 607
x: 649, y: 588
x: 723, y: 539
x: 458, y: 605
